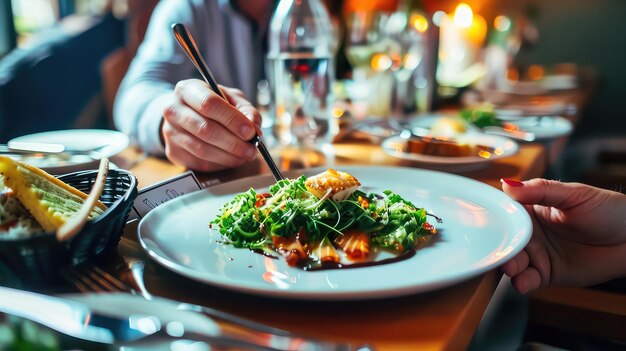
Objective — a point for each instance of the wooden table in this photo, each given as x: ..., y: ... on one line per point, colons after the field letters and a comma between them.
x: 443, y: 319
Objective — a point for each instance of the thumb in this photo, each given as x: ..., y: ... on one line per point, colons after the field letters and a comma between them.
x: 546, y: 192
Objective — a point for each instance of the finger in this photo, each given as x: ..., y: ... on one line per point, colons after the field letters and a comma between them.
x: 516, y: 265
x: 199, y: 96
x: 527, y: 281
x: 539, y: 259
x: 546, y: 192
x: 184, y: 158
x: 237, y: 98
x: 231, y: 93
x: 183, y: 118
x: 178, y: 143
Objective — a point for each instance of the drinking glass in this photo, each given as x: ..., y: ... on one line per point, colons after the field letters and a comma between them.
x: 363, y: 40
x: 405, y: 34
x: 301, y: 74
x: 366, y: 51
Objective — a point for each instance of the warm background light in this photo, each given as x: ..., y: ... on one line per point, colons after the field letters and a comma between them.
x: 502, y: 23
x: 463, y: 16
x: 370, y: 5
x: 512, y: 74
x: 478, y: 30
x: 420, y: 23
x: 462, y: 36
x: 535, y: 72
x: 381, y: 62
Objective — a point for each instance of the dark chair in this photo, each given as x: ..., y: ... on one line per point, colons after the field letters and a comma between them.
x: 49, y: 85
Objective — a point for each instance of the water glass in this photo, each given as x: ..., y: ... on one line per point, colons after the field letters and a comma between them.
x: 384, y: 50
x: 302, y: 85
x: 405, y: 35
x: 366, y: 51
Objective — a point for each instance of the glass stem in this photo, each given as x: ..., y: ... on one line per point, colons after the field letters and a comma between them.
x: 400, y: 99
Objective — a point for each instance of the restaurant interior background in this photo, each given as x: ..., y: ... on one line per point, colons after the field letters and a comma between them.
x: 61, y: 62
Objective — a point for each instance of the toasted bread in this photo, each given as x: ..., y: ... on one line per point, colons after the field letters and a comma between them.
x: 48, y: 199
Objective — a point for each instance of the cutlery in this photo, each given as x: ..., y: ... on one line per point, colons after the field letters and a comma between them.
x: 509, y: 130
x: 80, y: 320
x: 90, y: 278
x: 188, y: 44
x: 514, y: 133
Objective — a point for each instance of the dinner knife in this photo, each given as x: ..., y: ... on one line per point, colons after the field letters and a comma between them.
x: 123, y: 320
x: 513, y: 133
x: 79, y: 320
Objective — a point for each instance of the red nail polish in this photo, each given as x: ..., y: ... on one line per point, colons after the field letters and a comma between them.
x: 512, y: 182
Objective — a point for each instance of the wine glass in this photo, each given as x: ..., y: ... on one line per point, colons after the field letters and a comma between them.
x: 363, y: 40
x: 405, y: 34
x: 365, y: 49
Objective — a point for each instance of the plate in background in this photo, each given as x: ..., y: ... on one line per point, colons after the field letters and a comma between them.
x: 108, y: 142
x: 544, y: 127
x: 397, y: 145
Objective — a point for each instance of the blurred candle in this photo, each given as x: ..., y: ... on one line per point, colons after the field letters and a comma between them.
x: 462, y: 37
x: 370, y: 5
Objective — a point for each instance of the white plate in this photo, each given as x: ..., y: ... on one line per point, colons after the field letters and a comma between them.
x: 543, y: 86
x: 482, y: 228
x: 397, y: 146
x: 76, y: 139
x: 545, y: 127
x: 514, y: 111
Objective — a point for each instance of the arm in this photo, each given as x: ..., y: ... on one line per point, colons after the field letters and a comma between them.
x: 166, y: 113
x: 148, y: 86
x: 579, y: 235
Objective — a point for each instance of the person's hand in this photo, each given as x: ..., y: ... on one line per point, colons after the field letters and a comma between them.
x: 202, y: 131
x: 579, y: 235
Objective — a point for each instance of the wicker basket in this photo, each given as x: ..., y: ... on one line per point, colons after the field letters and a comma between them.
x: 36, y: 260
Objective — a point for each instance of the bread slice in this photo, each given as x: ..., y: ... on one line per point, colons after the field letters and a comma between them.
x: 48, y: 199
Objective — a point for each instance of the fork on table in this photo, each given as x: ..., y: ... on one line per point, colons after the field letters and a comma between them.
x: 89, y: 278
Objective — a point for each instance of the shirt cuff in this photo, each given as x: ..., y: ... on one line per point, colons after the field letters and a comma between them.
x: 149, y: 131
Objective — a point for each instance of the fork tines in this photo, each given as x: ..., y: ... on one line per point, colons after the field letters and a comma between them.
x: 90, y: 278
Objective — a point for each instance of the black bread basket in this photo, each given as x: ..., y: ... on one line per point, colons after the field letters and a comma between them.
x: 37, y: 260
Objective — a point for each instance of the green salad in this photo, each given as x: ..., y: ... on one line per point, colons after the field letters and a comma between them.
x: 481, y: 116
x: 314, y: 219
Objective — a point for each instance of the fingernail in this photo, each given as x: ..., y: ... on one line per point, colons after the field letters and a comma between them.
x: 246, y: 131
x: 512, y: 182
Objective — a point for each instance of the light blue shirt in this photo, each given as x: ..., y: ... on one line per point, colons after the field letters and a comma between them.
x: 229, y: 46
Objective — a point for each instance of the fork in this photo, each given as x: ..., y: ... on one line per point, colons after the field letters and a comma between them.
x: 88, y: 277
x: 88, y: 322
x: 136, y: 268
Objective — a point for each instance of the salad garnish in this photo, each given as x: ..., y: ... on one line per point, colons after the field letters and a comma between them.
x: 323, y: 221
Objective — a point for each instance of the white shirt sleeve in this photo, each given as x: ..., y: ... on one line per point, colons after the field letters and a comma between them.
x: 148, y: 85
x: 225, y: 39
